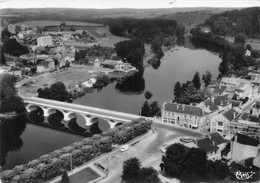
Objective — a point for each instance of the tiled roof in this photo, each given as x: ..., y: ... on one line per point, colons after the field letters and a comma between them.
x: 218, y: 90
x: 212, y: 106
x: 230, y: 114
x: 214, y: 82
x: 207, y: 145
x: 241, y: 86
x: 221, y: 100
x: 217, y: 138
x: 186, y: 109
x: 235, y: 103
x: 246, y: 140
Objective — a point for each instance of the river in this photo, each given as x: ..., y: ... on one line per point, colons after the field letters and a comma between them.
x: 178, y: 64
x: 25, y: 142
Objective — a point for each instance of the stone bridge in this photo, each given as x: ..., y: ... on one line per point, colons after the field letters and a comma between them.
x: 91, y: 115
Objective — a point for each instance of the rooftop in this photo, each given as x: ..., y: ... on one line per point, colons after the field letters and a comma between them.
x: 246, y: 140
x: 217, y: 138
x: 182, y: 108
x: 230, y: 114
x: 207, y: 145
x: 221, y: 100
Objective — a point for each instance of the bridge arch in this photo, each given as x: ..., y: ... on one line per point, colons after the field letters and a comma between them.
x: 35, y: 113
x: 55, y: 118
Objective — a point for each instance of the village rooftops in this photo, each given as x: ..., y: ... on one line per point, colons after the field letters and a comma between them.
x: 230, y: 81
x: 231, y: 114
x: 207, y: 145
x: 182, y: 108
x: 210, y: 105
x: 217, y: 138
x: 221, y: 100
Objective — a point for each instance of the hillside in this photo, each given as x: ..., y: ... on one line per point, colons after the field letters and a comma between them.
x: 236, y: 21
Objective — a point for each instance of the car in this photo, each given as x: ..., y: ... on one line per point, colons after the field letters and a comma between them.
x: 124, y: 148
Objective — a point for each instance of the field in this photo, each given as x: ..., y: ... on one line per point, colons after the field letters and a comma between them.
x: 42, y: 23
x: 70, y: 77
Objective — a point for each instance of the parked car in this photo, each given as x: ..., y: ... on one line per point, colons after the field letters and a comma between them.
x: 124, y: 148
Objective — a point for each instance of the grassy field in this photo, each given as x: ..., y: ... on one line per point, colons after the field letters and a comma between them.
x: 42, y: 23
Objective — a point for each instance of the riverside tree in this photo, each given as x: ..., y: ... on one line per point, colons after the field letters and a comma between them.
x: 196, y: 80
x: 207, y: 78
x: 10, y: 101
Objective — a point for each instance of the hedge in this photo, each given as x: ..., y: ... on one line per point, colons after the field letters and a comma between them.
x: 52, y: 165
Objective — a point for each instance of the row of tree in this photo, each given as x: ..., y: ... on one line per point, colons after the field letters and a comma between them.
x: 150, y: 110
x: 51, y: 165
x: 192, y: 165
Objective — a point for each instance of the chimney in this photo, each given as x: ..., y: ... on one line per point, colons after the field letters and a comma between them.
x: 212, y: 99
x: 234, y: 115
x: 213, y: 142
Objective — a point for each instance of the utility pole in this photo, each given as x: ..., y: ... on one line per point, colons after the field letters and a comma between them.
x: 107, y: 167
x: 71, y: 169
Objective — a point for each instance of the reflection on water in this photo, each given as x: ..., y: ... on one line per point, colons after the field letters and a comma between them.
x: 178, y: 64
x: 11, y: 130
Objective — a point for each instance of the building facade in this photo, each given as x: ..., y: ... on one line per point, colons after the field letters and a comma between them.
x: 44, y: 41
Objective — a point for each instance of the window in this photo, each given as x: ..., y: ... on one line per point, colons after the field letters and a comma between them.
x: 219, y: 130
x: 220, y: 123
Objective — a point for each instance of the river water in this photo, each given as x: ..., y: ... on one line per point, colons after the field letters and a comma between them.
x: 178, y: 64
x: 28, y: 142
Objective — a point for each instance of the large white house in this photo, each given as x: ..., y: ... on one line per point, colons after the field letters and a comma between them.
x: 44, y: 41
x: 183, y: 115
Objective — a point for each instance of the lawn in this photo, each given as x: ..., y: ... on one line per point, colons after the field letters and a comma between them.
x: 83, y: 176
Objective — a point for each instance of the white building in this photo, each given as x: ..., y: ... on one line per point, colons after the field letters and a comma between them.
x: 44, y: 41
x: 183, y: 115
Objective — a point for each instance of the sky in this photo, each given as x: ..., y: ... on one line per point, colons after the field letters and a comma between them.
x: 138, y: 4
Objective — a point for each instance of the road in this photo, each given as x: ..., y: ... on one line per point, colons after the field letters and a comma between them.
x: 147, y: 151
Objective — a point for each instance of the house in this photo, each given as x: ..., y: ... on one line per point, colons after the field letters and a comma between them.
x: 15, y: 71
x: 244, y: 147
x: 221, y: 122
x: 46, y: 65
x: 248, y: 53
x: 20, y: 35
x: 248, y: 123
x: 121, y: 66
x: 44, y: 41
x: 210, y: 147
x: 183, y: 115
x: 243, y: 90
x: 97, y: 63
x: 205, y: 29
x: 89, y: 83
x: 109, y: 63
x: 229, y: 81
x: 222, y: 102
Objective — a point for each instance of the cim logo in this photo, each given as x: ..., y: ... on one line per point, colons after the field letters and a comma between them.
x: 244, y: 175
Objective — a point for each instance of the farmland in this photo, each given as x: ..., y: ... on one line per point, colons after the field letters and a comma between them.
x: 43, y: 23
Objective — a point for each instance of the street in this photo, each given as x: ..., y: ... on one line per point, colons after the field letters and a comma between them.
x: 147, y: 151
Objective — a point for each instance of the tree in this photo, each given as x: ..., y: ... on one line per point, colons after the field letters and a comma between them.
x: 194, y: 165
x: 146, y: 110
x: 148, y: 175
x: 2, y: 61
x: 217, y: 170
x: 196, y: 80
x: 207, y: 78
x: 84, y: 33
x: 148, y: 95
x: 10, y: 101
x: 240, y: 39
x: 131, y: 168
x: 172, y: 161
x: 177, y: 91
x: 56, y: 91
x: 155, y: 109
x: 65, y: 177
